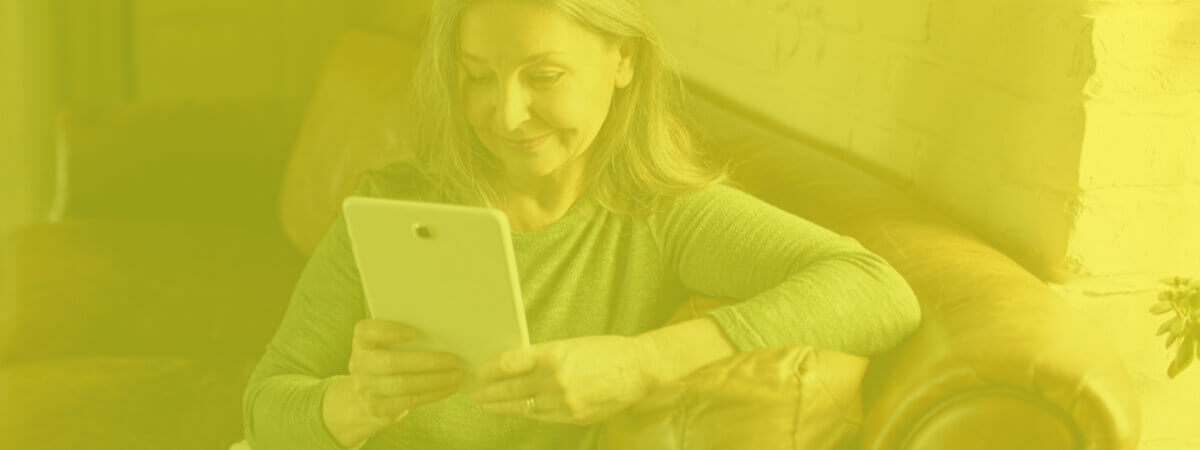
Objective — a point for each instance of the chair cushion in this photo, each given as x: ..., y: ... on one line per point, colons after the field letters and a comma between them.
x: 140, y: 287
x: 774, y: 398
x: 789, y: 398
x: 122, y: 403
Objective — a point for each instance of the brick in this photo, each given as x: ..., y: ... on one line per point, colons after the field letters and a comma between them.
x: 925, y: 96
x: 1036, y: 51
x: 734, y: 34
x: 837, y: 72
x: 799, y: 57
x: 877, y: 61
x: 966, y: 32
x: 1138, y: 230
x: 1147, y: 51
x: 771, y: 96
x: 906, y: 21
x: 1149, y: 78
x: 794, y: 29
x: 1018, y: 135
x: 1032, y: 142
x: 674, y: 20
x: 844, y: 14
x: 1146, y: 144
x: 1130, y: 34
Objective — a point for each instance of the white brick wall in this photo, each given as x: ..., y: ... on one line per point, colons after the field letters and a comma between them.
x: 1006, y: 112
x: 1139, y: 168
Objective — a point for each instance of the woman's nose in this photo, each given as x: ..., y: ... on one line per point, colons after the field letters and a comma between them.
x: 513, y: 106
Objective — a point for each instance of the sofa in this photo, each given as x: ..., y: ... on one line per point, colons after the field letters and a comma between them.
x: 134, y: 318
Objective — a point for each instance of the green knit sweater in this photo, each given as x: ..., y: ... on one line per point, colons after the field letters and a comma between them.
x: 591, y: 272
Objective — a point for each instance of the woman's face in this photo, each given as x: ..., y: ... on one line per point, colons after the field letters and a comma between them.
x: 536, y: 87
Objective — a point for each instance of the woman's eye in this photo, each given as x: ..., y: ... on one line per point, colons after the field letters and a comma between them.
x: 546, y: 78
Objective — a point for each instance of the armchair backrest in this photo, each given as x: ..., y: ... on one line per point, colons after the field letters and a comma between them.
x: 353, y: 123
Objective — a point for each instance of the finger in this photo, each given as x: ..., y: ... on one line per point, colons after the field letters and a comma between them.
x: 392, y: 406
x: 507, y: 364
x: 411, y: 384
x: 395, y: 362
x: 516, y: 407
x: 520, y: 387
x: 379, y: 333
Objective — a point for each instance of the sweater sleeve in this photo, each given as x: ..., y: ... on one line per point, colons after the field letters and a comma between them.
x: 282, y: 402
x: 796, y: 283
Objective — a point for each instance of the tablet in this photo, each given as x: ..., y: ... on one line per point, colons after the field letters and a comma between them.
x: 447, y: 270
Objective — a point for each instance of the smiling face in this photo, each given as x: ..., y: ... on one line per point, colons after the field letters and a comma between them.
x: 536, y: 87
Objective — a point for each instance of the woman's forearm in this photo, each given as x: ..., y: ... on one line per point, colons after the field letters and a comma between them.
x: 677, y: 350
x: 343, y: 418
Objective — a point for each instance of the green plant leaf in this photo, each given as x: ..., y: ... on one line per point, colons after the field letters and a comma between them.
x: 1166, y: 296
x: 1178, y: 324
x: 1164, y: 328
x: 1162, y: 307
x: 1187, y: 353
x: 1171, y: 338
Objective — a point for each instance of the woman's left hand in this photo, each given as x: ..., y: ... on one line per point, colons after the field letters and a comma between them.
x: 581, y: 380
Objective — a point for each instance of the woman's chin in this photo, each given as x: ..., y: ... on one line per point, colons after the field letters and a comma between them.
x: 529, y: 169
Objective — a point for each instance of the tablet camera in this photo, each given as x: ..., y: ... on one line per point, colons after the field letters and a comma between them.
x: 422, y: 231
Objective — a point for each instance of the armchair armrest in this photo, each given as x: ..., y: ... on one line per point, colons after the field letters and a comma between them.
x: 206, y: 162
x: 999, y: 357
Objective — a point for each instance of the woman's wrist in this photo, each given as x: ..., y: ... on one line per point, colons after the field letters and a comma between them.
x: 674, y: 351
x: 343, y: 417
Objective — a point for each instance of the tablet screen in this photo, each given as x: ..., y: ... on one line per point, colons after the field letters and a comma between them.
x: 447, y: 270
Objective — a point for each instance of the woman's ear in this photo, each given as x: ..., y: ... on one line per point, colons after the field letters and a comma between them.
x: 626, y: 53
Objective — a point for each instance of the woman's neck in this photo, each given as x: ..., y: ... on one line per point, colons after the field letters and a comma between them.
x: 534, y: 202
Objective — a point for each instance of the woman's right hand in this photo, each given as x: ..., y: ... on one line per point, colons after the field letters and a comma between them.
x: 385, y: 382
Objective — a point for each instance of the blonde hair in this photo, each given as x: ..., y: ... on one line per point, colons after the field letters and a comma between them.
x: 643, y: 156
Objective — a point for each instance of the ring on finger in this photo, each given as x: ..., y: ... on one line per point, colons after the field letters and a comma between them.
x: 530, y: 404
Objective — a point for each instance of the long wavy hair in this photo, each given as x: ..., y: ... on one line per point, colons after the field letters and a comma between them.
x: 643, y: 157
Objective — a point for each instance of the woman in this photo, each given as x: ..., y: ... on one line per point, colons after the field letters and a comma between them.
x: 562, y: 114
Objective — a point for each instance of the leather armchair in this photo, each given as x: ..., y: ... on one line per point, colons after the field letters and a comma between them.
x: 999, y: 361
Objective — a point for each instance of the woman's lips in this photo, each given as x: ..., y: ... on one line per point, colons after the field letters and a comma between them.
x: 528, y: 144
